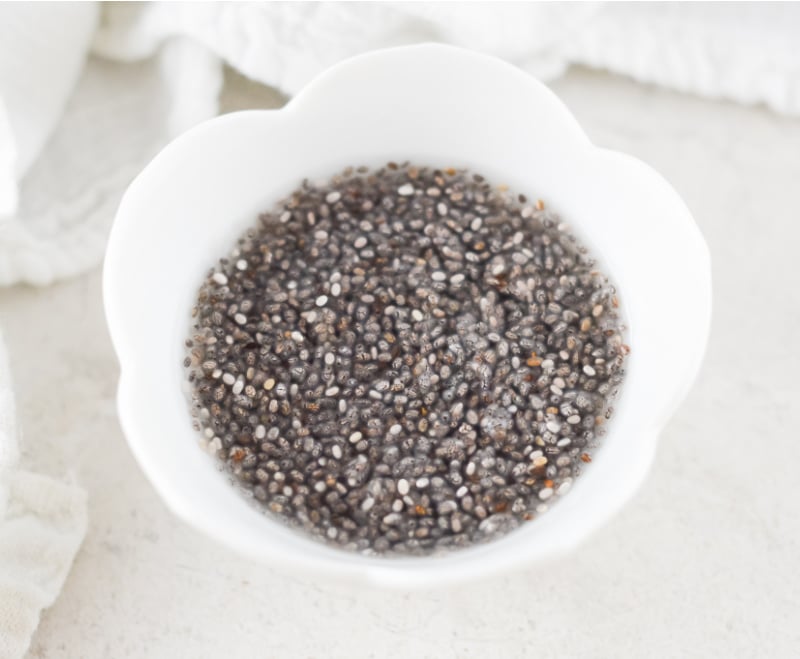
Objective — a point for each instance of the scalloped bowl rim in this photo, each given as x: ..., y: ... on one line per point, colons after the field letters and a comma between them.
x: 633, y: 205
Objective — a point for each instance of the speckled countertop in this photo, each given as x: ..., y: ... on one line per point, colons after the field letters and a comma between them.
x: 705, y: 562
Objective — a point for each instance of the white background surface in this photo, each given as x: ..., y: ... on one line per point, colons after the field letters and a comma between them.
x: 705, y: 562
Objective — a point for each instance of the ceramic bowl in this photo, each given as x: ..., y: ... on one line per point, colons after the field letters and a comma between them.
x: 432, y: 105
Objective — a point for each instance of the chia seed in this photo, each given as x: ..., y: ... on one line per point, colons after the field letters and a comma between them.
x: 405, y: 360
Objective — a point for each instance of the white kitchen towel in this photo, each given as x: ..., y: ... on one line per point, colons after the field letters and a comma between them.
x: 743, y: 52
x: 59, y: 188
x: 43, y: 47
x: 42, y: 524
x: 120, y: 114
x: 116, y: 120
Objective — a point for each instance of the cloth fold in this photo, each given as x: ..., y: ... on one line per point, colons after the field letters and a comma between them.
x: 42, y: 524
x: 39, y: 43
x: 45, y: 522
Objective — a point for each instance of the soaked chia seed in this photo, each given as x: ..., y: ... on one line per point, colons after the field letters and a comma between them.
x: 406, y: 360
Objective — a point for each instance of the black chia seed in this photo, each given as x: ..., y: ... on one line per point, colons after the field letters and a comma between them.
x: 405, y: 360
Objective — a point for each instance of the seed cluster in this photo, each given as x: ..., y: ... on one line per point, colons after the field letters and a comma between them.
x: 405, y: 360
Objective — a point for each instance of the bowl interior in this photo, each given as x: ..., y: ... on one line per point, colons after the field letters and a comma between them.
x: 430, y: 105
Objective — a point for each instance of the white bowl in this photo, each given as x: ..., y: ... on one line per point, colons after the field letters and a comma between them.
x: 431, y: 105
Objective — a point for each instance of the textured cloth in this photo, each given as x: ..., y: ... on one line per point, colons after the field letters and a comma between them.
x: 743, y: 52
x: 118, y: 115
x: 43, y: 47
x: 42, y: 523
x: 45, y: 522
